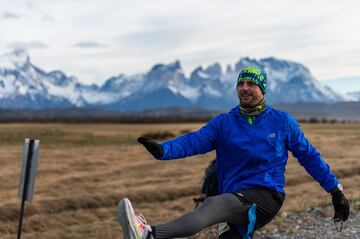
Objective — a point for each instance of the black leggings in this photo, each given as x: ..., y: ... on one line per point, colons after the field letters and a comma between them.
x: 228, y: 207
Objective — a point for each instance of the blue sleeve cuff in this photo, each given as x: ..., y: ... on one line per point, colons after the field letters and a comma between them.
x: 165, y: 156
x: 329, y: 187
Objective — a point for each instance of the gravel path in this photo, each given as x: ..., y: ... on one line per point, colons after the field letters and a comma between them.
x: 314, y: 223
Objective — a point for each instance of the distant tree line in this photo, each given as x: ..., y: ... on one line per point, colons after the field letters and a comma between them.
x: 146, y: 119
x: 169, y: 115
x: 112, y: 119
x: 314, y: 120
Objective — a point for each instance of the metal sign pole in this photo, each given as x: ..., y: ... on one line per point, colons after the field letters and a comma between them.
x: 28, y: 173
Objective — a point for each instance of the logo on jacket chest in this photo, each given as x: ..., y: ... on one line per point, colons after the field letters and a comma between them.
x: 272, y: 135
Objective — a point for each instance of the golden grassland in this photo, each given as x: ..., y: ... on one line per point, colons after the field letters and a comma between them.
x: 84, y: 169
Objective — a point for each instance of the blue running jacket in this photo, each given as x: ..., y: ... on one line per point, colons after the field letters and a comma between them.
x: 252, y: 155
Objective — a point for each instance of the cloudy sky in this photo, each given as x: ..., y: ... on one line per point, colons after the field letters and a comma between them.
x: 94, y: 39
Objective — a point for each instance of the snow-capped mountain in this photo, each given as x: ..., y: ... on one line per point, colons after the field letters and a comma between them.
x: 292, y: 82
x: 353, y: 96
x: 23, y: 85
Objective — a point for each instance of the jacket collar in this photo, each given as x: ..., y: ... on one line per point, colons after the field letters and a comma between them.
x: 235, y: 111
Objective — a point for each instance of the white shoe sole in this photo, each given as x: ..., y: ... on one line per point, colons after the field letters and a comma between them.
x: 126, y: 218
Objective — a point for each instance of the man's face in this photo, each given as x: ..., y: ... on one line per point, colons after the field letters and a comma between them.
x: 249, y: 93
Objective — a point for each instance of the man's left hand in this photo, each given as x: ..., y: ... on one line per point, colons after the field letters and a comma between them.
x: 341, y: 206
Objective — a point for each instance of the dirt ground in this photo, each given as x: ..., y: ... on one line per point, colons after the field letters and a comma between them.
x: 84, y: 169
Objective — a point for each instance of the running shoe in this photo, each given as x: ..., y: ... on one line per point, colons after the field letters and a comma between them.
x: 133, y: 226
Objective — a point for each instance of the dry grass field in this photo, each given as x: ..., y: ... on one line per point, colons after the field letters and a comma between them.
x: 84, y: 169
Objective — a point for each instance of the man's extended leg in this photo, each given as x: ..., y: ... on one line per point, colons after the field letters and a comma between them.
x: 221, y: 208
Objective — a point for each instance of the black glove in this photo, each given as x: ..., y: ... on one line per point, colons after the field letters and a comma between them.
x: 154, y: 148
x: 341, y: 206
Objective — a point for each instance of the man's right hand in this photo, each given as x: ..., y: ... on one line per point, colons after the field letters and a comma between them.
x: 154, y: 148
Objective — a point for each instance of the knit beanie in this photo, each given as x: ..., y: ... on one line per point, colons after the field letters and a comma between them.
x: 254, y: 74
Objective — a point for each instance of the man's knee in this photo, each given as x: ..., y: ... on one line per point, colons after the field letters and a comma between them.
x: 211, y: 201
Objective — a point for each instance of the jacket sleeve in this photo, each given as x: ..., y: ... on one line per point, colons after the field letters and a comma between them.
x: 309, y: 157
x: 198, y: 142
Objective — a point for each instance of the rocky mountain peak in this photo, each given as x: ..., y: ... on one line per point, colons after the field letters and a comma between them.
x: 18, y: 58
x: 214, y: 70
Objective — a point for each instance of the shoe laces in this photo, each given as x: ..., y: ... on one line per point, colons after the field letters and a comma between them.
x: 141, y: 223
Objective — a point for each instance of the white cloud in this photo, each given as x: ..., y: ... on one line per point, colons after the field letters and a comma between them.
x: 90, y: 44
x: 47, y: 18
x: 27, y: 45
x: 10, y: 15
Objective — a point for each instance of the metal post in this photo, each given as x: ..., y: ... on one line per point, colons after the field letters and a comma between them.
x: 25, y: 185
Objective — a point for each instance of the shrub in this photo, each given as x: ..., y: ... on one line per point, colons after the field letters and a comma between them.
x: 314, y: 120
x: 161, y: 135
x: 185, y: 131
